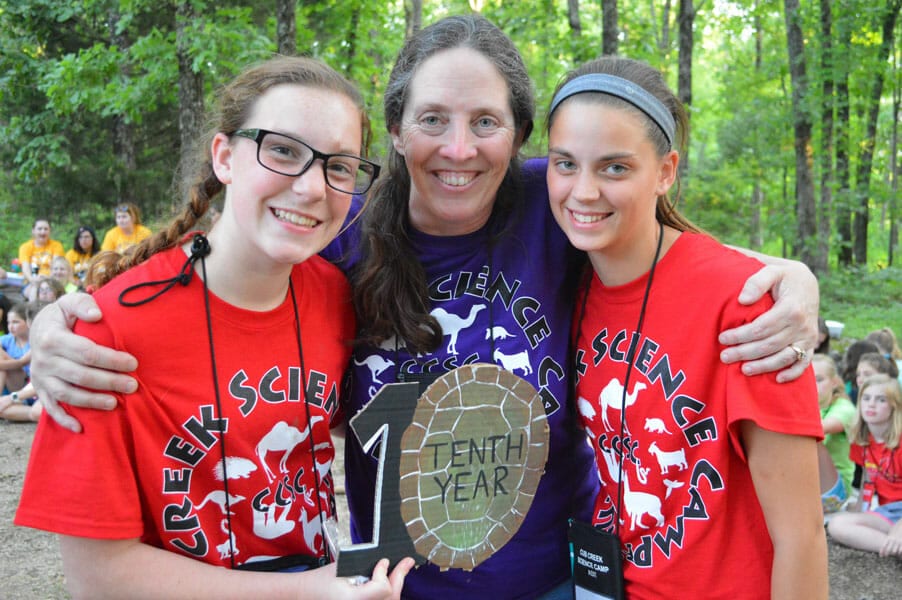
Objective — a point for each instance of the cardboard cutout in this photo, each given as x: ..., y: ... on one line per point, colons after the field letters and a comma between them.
x: 458, y: 467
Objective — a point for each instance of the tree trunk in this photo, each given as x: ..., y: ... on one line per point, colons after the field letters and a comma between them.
x: 843, y: 200
x: 191, y: 85
x: 664, y: 39
x: 756, y: 238
x: 609, y: 33
x: 805, y: 214
x: 686, y: 22
x: 825, y: 209
x: 352, y: 41
x: 286, y: 27
x: 123, y: 135
x: 866, y: 160
x: 413, y: 16
x: 580, y: 53
x: 576, y: 28
x: 894, y: 170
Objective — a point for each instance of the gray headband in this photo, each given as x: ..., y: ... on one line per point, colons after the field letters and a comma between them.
x: 623, y: 89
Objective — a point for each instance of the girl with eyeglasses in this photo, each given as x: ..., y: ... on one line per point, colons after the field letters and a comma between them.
x: 84, y: 247
x: 218, y: 466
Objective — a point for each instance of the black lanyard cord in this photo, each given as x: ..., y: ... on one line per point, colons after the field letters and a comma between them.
x: 630, y: 358
x: 200, y: 249
x: 319, y: 505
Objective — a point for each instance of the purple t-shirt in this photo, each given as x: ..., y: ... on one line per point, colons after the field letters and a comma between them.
x: 494, y: 301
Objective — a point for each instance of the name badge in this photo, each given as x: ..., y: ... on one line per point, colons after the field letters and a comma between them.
x: 597, y: 563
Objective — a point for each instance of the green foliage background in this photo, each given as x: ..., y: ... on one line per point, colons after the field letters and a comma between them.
x: 72, y: 71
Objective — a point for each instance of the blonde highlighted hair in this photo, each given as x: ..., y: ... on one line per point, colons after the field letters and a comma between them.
x: 839, y: 389
x: 859, y: 432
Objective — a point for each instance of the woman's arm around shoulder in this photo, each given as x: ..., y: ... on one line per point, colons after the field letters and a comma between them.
x: 69, y: 368
x: 784, y: 472
x: 765, y: 344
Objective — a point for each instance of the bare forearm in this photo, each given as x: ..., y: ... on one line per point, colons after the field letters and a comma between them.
x: 11, y: 364
x: 129, y: 569
x: 800, y: 568
x: 784, y: 471
x: 103, y: 569
x: 832, y: 425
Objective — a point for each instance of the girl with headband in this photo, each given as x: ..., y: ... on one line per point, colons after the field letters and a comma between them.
x: 705, y: 472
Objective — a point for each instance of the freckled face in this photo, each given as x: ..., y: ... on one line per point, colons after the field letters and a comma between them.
x: 604, y: 177
x: 457, y: 138
x: 274, y: 219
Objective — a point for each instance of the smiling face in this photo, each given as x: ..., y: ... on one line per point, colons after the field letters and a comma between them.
x: 41, y: 233
x: 457, y: 137
x: 61, y: 270
x: 275, y: 220
x: 604, y: 178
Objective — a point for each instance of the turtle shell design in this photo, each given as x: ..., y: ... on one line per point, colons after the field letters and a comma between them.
x: 471, y: 461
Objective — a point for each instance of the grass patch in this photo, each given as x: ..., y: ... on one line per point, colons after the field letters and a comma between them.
x: 863, y: 299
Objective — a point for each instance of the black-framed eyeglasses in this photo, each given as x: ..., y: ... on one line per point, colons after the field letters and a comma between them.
x: 289, y: 156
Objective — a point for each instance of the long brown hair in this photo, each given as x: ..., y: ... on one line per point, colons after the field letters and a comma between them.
x: 200, y: 185
x: 391, y: 296
x: 651, y: 80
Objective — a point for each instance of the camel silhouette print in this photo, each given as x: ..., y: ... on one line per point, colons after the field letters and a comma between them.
x: 452, y: 324
x: 282, y: 438
x: 612, y: 396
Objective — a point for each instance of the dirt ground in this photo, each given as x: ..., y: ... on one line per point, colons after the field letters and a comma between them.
x: 30, y: 566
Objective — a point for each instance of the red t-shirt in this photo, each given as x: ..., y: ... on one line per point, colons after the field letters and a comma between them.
x: 691, y: 525
x: 884, y: 468
x: 156, y: 468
